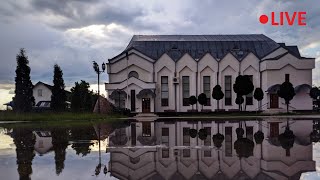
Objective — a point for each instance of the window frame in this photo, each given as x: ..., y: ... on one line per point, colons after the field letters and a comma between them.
x: 164, y: 101
x: 185, y: 82
x: 228, y: 100
x: 205, y: 90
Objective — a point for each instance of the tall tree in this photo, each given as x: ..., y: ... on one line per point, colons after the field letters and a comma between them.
x: 58, y: 98
x: 286, y: 92
x: 217, y: 94
x: 24, y: 99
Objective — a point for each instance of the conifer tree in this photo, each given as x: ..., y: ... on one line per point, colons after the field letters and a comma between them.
x: 23, y: 100
x: 58, y: 98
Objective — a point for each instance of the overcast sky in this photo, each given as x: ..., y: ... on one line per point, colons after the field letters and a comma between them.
x: 72, y: 33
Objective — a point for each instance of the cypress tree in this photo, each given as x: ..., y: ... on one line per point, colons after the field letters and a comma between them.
x: 24, y: 99
x: 58, y: 97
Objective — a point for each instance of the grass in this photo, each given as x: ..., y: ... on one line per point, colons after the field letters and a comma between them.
x: 50, y: 116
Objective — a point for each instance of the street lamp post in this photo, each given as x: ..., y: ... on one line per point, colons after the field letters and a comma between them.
x: 97, y: 70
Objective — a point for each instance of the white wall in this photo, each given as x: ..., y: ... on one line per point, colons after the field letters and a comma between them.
x: 272, y: 72
x: 46, y: 93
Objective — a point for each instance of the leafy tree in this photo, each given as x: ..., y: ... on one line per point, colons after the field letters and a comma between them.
x: 217, y: 94
x: 243, y: 86
x: 258, y: 95
x: 202, y: 99
x: 24, y: 99
x: 314, y: 93
x: 58, y: 98
x: 286, y: 92
x: 193, y: 100
x: 82, y: 99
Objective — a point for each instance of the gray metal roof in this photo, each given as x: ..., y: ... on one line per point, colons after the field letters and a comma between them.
x: 197, y: 46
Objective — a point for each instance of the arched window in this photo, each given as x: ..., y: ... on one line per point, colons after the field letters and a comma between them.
x: 133, y: 74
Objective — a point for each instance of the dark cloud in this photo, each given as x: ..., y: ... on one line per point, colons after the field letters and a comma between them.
x: 72, y: 33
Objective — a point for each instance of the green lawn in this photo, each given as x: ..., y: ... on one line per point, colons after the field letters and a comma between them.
x: 65, y: 116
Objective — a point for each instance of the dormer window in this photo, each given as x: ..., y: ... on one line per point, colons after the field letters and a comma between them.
x: 133, y: 74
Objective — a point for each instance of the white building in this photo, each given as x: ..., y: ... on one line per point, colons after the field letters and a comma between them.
x: 158, y: 73
x: 43, y: 92
x: 164, y: 150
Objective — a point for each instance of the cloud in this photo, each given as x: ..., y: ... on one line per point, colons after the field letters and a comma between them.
x: 73, y: 33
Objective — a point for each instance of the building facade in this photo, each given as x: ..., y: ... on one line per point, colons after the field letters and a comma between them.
x: 159, y: 73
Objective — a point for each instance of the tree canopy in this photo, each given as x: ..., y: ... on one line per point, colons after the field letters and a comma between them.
x: 243, y: 85
x: 82, y: 99
x: 258, y: 95
x: 286, y: 92
x: 314, y: 93
x: 202, y: 99
x: 217, y: 94
x: 192, y: 100
x: 23, y: 100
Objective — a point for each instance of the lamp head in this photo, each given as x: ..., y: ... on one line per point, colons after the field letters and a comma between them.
x: 95, y: 66
x: 103, y: 67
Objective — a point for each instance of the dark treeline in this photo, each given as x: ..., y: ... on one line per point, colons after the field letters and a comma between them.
x: 82, y: 99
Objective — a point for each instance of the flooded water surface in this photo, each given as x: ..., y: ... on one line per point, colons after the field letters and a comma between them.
x: 270, y: 148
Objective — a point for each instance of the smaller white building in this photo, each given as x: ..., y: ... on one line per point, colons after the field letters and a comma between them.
x: 43, y: 92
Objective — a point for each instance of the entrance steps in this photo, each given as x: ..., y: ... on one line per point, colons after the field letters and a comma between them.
x: 274, y: 111
x: 146, y: 117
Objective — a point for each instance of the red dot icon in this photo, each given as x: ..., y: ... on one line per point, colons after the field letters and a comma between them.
x: 263, y: 19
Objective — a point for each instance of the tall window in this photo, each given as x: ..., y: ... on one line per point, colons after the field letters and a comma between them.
x: 164, y: 91
x: 228, y: 90
x: 249, y: 97
x: 185, y: 90
x: 40, y: 92
x: 287, y: 77
x: 133, y: 100
x: 206, y: 89
x: 228, y: 145
x: 146, y: 129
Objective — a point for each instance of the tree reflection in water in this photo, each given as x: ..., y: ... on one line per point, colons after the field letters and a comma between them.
x: 24, y: 140
x: 60, y: 144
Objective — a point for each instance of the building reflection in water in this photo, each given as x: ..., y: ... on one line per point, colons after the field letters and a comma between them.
x: 166, y: 150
